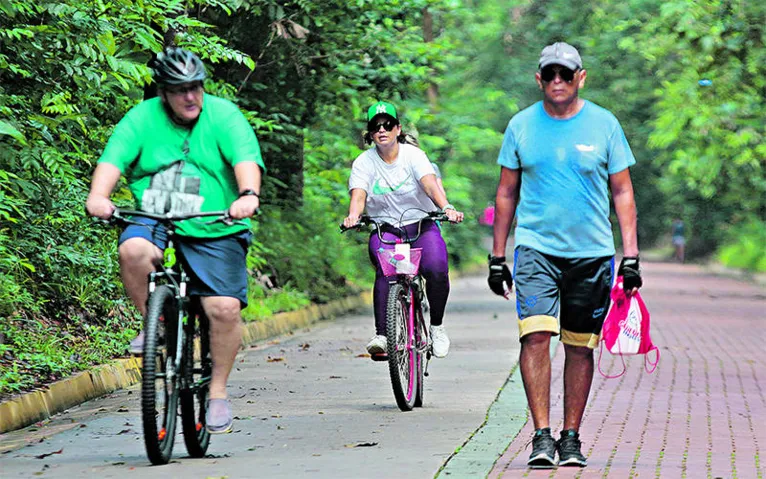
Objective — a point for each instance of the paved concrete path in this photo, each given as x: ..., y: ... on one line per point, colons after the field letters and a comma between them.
x: 306, y: 406
x: 702, y: 414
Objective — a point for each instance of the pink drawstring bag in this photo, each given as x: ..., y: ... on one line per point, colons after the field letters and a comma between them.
x: 626, y: 330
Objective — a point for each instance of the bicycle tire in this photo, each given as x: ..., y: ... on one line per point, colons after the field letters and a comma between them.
x: 159, y: 404
x: 401, y: 359
x: 197, y: 372
x: 421, y: 339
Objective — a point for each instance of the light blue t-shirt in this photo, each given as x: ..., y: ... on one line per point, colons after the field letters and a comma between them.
x: 565, y: 167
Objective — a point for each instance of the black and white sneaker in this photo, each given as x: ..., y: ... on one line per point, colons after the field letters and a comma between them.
x: 543, y: 450
x: 569, y: 449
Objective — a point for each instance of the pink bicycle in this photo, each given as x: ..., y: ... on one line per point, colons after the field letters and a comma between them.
x: 407, y: 333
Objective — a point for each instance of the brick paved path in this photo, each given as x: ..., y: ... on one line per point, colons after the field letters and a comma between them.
x: 702, y: 414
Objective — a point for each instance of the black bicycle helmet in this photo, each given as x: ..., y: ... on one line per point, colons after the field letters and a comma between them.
x: 176, y: 65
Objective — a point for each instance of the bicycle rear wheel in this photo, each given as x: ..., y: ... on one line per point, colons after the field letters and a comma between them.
x: 198, y: 369
x: 401, y: 350
x: 159, y: 388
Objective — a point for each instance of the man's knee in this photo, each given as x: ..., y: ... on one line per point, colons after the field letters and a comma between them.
x: 222, y: 309
x: 578, y: 351
x: 138, y: 251
x: 536, y: 339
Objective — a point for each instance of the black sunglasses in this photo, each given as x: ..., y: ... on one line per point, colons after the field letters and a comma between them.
x: 548, y: 73
x: 387, y: 124
x: 183, y: 90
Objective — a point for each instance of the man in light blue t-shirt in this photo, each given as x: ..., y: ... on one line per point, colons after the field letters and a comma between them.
x: 559, y: 159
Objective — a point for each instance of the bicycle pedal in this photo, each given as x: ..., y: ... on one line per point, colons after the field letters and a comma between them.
x: 379, y: 357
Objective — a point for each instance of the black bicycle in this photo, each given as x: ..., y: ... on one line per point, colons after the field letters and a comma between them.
x: 408, y: 339
x: 177, y: 365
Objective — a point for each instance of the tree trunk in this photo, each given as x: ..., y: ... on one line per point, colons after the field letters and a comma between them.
x: 428, y: 37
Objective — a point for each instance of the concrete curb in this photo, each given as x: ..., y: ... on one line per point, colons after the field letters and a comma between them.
x: 121, y: 373
x: 505, y: 418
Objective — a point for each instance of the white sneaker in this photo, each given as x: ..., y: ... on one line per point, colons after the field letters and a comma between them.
x: 377, y: 344
x: 440, y: 341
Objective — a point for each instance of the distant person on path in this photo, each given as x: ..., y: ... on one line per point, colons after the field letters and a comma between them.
x: 678, y: 239
x: 558, y: 160
x: 395, y: 180
x: 185, y: 151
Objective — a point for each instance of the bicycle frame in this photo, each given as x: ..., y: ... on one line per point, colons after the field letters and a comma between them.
x: 405, y: 356
x: 169, y: 310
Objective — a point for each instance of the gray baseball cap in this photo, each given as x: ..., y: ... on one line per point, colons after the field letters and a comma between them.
x: 560, y: 53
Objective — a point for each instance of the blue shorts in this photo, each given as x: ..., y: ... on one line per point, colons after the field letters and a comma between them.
x: 216, y: 266
x: 562, y: 295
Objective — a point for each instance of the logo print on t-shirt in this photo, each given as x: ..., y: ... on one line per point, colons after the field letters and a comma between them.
x: 384, y: 190
x: 584, y: 148
x: 172, y: 192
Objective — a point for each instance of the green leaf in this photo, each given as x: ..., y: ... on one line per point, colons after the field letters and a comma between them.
x: 8, y: 129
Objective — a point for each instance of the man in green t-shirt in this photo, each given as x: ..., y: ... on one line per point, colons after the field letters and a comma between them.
x: 183, y: 152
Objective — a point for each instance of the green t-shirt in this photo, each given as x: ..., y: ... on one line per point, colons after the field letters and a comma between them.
x: 171, y: 169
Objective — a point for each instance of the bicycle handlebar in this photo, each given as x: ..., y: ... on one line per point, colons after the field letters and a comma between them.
x: 369, y: 220
x: 118, y: 216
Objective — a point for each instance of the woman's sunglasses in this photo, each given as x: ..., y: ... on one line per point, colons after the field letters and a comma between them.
x: 387, y: 125
x: 547, y: 74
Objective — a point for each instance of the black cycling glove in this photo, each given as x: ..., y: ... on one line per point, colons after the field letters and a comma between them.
x: 631, y: 273
x: 500, y: 279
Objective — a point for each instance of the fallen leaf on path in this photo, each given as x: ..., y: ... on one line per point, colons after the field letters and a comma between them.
x: 274, y: 360
x: 363, y: 444
x: 363, y: 355
x: 124, y: 431
x: 43, y: 456
x: 336, y: 377
x: 305, y: 346
x: 123, y: 409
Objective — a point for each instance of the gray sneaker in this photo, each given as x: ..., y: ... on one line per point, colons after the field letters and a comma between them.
x: 543, y: 450
x: 137, y: 345
x: 218, y: 419
x: 569, y: 449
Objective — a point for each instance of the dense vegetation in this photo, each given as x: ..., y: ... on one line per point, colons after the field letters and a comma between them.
x: 684, y: 77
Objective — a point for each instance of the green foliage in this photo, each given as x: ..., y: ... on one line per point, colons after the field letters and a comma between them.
x: 304, y: 72
x: 746, y: 247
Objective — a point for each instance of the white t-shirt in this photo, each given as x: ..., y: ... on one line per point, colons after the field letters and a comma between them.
x: 394, y: 192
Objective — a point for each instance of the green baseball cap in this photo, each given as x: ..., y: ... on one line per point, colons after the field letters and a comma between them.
x: 379, y: 108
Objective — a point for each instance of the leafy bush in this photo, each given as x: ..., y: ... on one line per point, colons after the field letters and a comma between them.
x: 746, y: 247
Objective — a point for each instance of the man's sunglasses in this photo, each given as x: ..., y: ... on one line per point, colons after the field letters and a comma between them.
x: 547, y: 74
x: 387, y: 124
x: 185, y: 89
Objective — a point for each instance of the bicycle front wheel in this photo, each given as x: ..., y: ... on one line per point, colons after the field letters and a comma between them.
x: 198, y: 368
x: 421, y: 340
x: 402, y: 360
x: 159, y: 388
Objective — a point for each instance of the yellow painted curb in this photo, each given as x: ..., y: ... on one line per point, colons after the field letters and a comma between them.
x: 61, y: 395
x: 121, y: 373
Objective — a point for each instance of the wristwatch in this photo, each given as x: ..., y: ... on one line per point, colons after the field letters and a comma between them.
x: 249, y: 192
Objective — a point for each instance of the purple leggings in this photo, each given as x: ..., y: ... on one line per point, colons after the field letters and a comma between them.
x: 434, y: 267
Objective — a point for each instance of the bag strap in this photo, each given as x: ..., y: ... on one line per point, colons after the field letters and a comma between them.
x: 648, y: 363
x: 601, y: 352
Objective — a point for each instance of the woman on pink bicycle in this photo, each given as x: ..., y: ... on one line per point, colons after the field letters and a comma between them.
x: 396, y: 181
